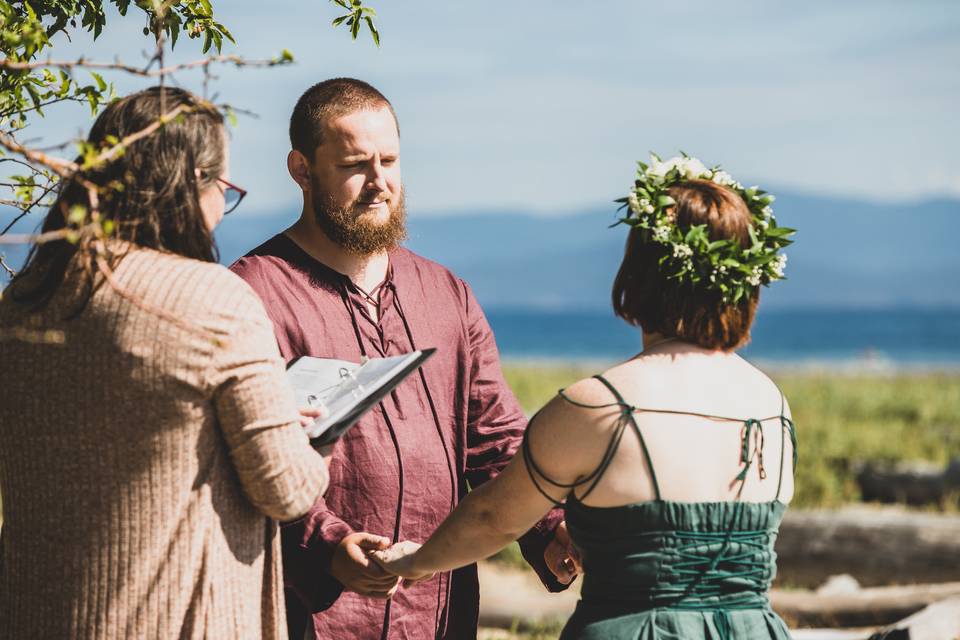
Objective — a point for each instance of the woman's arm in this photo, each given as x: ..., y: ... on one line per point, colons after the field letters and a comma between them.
x: 278, y: 470
x: 565, y: 441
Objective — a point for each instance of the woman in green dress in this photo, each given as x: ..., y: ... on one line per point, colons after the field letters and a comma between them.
x: 675, y: 466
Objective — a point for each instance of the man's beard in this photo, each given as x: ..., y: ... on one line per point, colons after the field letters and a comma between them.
x: 350, y: 230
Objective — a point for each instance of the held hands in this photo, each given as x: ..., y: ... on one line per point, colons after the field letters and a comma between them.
x: 352, y: 566
x: 400, y: 560
x: 562, y: 556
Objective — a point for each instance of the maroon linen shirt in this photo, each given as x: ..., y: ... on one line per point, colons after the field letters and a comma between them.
x: 404, y: 467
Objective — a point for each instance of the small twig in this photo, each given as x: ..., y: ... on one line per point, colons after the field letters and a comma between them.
x: 6, y: 267
x: 34, y: 238
x: 141, y: 71
x: 16, y: 161
x: 112, y: 152
x: 63, y: 168
x: 36, y: 202
x: 19, y: 204
x: 243, y: 112
x: 7, y: 114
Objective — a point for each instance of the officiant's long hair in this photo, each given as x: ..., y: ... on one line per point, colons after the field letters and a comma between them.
x: 149, y: 195
x: 644, y: 296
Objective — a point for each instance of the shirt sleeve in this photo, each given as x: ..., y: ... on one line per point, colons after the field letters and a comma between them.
x: 495, y: 426
x: 279, y: 471
x: 308, y: 546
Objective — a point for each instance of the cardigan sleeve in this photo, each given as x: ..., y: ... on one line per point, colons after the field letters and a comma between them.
x: 279, y: 471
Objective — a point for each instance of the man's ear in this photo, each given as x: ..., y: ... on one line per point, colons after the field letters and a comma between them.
x: 299, y: 168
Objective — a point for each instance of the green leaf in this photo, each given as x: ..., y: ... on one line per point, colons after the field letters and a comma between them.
x: 174, y: 33
x: 780, y: 232
x: 101, y: 83
x: 226, y: 32
x: 373, y: 31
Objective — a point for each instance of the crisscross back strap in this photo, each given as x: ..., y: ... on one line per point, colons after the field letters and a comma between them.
x: 626, y: 412
x: 752, y: 430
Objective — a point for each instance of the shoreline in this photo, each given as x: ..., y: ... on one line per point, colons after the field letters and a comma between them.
x: 847, y: 367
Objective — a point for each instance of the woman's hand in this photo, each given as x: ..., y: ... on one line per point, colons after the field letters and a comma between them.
x: 307, y: 416
x: 401, y: 560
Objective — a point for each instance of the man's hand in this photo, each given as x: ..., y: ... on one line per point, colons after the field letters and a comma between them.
x: 357, y: 572
x: 562, y: 557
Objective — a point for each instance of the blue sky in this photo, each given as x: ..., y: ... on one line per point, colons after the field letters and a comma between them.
x: 545, y: 105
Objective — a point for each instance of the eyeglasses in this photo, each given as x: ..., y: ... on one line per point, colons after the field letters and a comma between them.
x: 232, y: 195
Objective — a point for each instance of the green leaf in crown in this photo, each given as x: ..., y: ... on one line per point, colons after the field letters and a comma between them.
x: 690, y: 257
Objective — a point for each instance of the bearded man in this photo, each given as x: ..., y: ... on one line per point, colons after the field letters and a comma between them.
x: 338, y: 284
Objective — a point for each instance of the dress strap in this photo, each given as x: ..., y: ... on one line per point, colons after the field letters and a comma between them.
x: 536, y: 473
x: 627, y: 414
x: 786, y: 428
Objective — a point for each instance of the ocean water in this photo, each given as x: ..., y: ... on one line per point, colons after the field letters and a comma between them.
x: 857, y: 338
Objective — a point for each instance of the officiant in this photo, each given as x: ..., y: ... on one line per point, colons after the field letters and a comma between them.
x: 338, y: 284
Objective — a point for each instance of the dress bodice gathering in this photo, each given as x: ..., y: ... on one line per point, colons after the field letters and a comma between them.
x: 662, y: 569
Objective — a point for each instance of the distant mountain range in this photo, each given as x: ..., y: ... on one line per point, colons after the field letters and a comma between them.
x: 848, y: 253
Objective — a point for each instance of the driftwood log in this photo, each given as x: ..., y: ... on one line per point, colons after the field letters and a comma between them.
x: 912, y: 483
x: 869, y: 607
x: 510, y: 597
x: 877, y: 546
x: 939, y: 621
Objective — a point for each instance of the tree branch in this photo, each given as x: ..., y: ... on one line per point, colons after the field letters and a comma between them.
x: 238, y: 61
x: 26, y: 211
x: 6, y: 267
x: 63, y: 168
x: 109, y: 154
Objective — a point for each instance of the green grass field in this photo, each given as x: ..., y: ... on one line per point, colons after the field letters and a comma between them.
x: 842, y: 421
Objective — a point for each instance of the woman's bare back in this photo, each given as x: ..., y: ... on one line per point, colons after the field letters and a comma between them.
x: 695, y: 458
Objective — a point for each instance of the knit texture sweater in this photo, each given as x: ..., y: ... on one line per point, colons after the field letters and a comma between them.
x: 146, y: 447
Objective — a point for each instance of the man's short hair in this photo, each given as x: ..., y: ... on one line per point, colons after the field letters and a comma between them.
x: 327, y: 100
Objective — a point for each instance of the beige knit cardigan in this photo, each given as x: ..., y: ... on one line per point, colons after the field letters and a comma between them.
x: 141, y: 460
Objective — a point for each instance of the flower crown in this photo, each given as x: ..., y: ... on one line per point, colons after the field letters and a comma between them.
x: 722, y: 265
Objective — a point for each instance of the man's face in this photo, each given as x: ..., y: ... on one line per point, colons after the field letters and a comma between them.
x: 355, y: 184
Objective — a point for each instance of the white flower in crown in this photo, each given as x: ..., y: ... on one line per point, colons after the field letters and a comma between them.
x: 689, y: 168
x: 682, y: 251
x: 722, y: 178
x: 778, y: 265
x: 657, y: 171
x: 692, y: 168
x: 649, y: 202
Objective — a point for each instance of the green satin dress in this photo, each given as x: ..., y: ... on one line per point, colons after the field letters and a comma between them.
x: 664, y: 570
